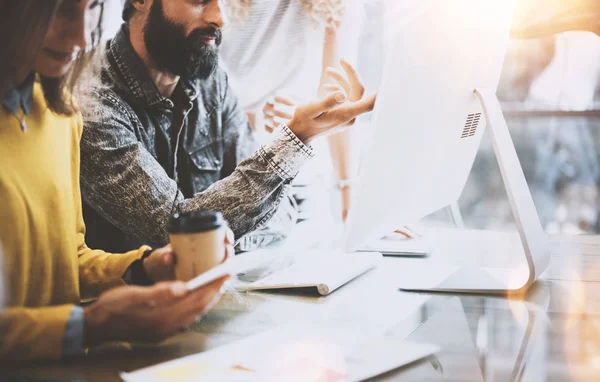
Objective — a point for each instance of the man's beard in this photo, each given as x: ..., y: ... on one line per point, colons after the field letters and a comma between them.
x: 174, y: 52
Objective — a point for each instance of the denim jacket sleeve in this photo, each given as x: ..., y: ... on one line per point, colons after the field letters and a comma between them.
x: 240, y: 144
x: 128, y: 187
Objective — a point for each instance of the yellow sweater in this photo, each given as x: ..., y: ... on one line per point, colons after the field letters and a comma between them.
x: 47, y: 266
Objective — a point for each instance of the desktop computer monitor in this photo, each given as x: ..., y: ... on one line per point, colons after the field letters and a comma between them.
x: 443, y: 65
x: 428, y: 122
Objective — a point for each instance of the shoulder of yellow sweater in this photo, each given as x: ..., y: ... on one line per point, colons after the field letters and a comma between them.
x: 39, y: 100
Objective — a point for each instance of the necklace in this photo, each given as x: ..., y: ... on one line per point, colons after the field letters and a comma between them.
x: 22, y: 121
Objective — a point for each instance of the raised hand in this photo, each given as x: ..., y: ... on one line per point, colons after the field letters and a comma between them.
x: 337, y: 110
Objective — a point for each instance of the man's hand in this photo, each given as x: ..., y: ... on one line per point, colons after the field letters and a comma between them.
x: 354, y: 92
x: 147, y: 314
x: 337, y: 110
x: 160, y: 265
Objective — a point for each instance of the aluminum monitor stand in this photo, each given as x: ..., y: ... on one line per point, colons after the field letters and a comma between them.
x: 479, y: 280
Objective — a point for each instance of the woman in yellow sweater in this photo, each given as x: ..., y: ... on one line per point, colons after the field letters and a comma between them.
x: 48, y: 269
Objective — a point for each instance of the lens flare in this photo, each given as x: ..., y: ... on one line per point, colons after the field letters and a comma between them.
x: 306, y: 360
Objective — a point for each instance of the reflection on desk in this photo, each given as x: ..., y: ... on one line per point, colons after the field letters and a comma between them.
x: 550, y: 334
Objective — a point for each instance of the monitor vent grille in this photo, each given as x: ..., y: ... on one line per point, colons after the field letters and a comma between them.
x: 471, y: 125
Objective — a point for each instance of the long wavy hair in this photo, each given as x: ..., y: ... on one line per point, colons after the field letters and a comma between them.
x: 24, y: 25
x: 322, y: 12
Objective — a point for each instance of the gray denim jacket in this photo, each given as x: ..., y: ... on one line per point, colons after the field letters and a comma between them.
x: 127, y: 159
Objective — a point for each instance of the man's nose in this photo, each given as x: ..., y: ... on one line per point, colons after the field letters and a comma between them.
x: 214, y: 14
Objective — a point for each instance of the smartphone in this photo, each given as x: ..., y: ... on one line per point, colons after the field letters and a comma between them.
x: 226, y: 268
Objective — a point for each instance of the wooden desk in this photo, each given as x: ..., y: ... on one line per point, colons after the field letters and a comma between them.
x: 552, y: 334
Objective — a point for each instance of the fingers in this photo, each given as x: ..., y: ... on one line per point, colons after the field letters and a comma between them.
x: 165, y: 255
x: 229, y: 236
x: 333, y: 88
x: 201, y: 300
x: 356, y: 83
x: 229, y: 252
x: 367, y: 104
x: 277, y: 111
x: 158, y: 294
x: 284, y: 100
x: 211, y: 289
x: 350, y: 80
x: 340, y: 78
x: 274, y: 110
x: 346, y: 113
x: 229, y: 241
x: 271, y: 122
x: 332, y: 100
x: 270, y: 127
x: 160, y: 264
x: 168, y: 259
x: 178, y: 310
x: 281, y: 115
x: 192, y: 316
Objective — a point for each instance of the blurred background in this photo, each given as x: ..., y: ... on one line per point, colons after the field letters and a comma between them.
x: 551, y: 97
x: 549, y: 91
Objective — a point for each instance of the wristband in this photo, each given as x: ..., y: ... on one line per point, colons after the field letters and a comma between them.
x: 138, y: 272
x: 344, y: 183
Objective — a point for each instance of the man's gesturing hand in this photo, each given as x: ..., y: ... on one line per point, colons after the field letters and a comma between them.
x: 336, y: 110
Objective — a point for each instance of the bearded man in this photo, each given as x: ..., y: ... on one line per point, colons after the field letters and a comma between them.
x: 165, y: 133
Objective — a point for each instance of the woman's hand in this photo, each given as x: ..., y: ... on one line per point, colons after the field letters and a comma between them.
x: 160, y: 265
x: 276, y: 111
x: 148, y: 314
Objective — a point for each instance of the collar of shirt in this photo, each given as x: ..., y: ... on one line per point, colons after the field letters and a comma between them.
x: 20, y: 97
x: 135, y: 74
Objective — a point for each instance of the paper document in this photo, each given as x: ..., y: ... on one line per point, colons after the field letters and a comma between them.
x: 288, y: 354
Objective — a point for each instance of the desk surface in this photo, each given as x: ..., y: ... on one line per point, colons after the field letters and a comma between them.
x: 550, y: 334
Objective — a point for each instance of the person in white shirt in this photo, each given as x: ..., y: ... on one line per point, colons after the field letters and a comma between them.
x: 276, y: 53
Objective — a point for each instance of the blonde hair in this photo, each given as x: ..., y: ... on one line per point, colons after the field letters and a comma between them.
x: 322, y: 12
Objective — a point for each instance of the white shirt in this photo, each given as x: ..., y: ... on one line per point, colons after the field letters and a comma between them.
x: 278, y: 49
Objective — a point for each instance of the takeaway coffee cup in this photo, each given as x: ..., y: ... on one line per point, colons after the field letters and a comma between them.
x: 198, y: 240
